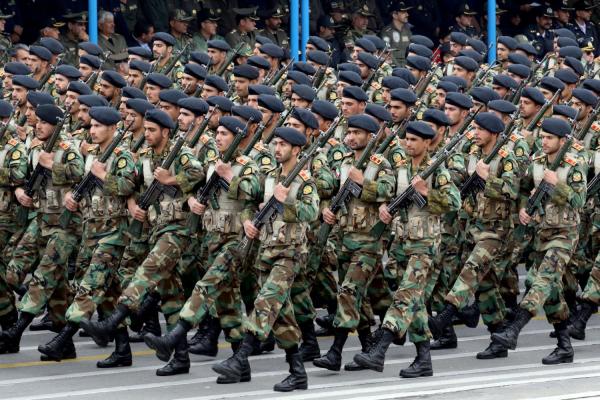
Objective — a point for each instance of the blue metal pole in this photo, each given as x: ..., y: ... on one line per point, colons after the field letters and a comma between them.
x: 294, y: 22
x: 305, y: 28
x: 491, y: 30
x: 93, y: 20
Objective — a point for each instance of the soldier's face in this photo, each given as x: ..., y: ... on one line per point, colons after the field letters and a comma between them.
x: 2, y: 24
x: 544, y: 22
x: 61, y: 83
x: 170, y: 109
x: 85, y: 70
x: 399, y: 110
x: 500, y: 90
x: 355, y: 51
x: 19, y: 94
x: 185, y: 119
x: 208, y: 91
x: 131, y: 115
x: 459, y: 71
x: 22, y: 56
x: 502, y: 52
x: 223, y: 139
x: 350, y: 107
x: 100, y: 133
x: 482, y: 136
x: 52, y: 32
x: 213, y: 122
x: 7, y: 81
x: 465, y: 20
x: 356, y: 139
x: 584, y: 15
x: 453, y: 113
x: 360, y: 22
x: 252, y: 101
x: 455, y: 48
x: 107, y: 26
x: 562, y: 16
x: 123, y: 107
x: 547, y: 93
x: 154, y: 134
x: 107, y: 90
x: 134, y: 78
x: 297, y: 101
x: 588, y: 56
x: 273, y: 23
x: 209, y: 27
x: 71, y: 102
x: 551, y: 143
x: 400, y: 16
x: 580, y: 106
x: 35, y: 63
x: 415, y: 145
x: 160, y: 49
x: 152, y: 92
x: 43, y: 130
x: 295, y: 123
x: 30, y: 116
x: 283, y: 150
x: 84, y: 115
x: 241, y: 86
x: 217, y: 56
x: 439, y: 99
x: 364, y: 70
x: 528, y: 107
x: 180, y: 27
x: 247, y: 25
x: 188, y: 83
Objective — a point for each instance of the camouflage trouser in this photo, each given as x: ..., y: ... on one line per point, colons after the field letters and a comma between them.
x: 49, y: 280
x: 358, y: 265
x: 408, y: 312
x: 25, y: 255
x: 321, y: 266
x: 7, y: 300
x: 191, y: 266
x: 304, y: 310
x: 591, y: 292
x: 249, y: 285
x: 217, y: 288
x: 133, y: 256
x: 273, y: 311
x: 99, y: 280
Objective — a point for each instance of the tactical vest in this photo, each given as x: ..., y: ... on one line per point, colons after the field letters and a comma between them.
x: 51, y: 196
x: 554, y: 216
x: 100, y: 205
x: 226, y: 219
x: 487, y: 209
x: 170, y: 208
x: 360, y: 216
x: 6, y: 193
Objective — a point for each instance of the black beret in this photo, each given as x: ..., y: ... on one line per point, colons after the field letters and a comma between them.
x: 248, y: 113
x: 586, y: 96
x: 159, y: 80
x: 564, y: 110
x: 79, y: 87
x: 351, y: 77
x: 356, y: 93
x: 466, y: 62
x: 165, y: 37
x: 378, y: 42
x: 363, y: 121
x: 404, y: 95
x: 49, y: 113
x: 420, y: 50
x: 592, y: 84
x: 484, y: 94
x: 348, y: 67
x: 533, y: 94
x: 272, y: 50
x: 460, y: 83
x: 290, y: 135
x: 304, y: 67
x: 91, y: 48
x: 419, y: 62
x: 171, y: 96
x: 447, y: 86
x: 263, y: 39
x: 68, y: 71
x: 306, y: 117
x: 90, y: 60
x: 517, y: 58
x: 36, y: 98
x: 505, y: 81
x: 114, y: 78
x: 222, y: 102
x: 53, y: 45
x: 259, y: 62
x: 217, y: 82
x: 471, y: 54
x: 366, y: 45
x: 299, y: 77
x: 379, y: 112
x: 260, y: 89
x: 490, y: 122
x: 436, y: 116
x: 420, y: 129
x: 6, y: 109
x: 92, y: 100
x: 393, y: 82
x: 218, y: 44
x: 368, y: 59
x: 26, y: 81
x: 140, y: 106
x: 551, y: 83
x: 325, y: 109
x: 200, y: 57
x: 520, y: 70
x: 159, y: 117
x: 564, y: 41
x: 527, y: 48
x: 503, y: 106
x: 17, y: 68
x: 459, y: 37
x: 319, y: 43
x: 575, y: 65
x: 459, y: 100
x: 140, y: 65
x: 140, y: 51
x: 194, y: 104
x: 271, y: 103
x: 564, y: 32
x: 318, y: 56
x: 556, y: 126
x: 570, y: 51
x: 508, y: 41
x: 105, y: 115
x: 422, y: 40
x: 477, y: 45
x: 304, y: 91
x: 567, y: 76
x: 40, y: 52
x: 131, y: 92
x: 245, y: 71
x: 232, y: 124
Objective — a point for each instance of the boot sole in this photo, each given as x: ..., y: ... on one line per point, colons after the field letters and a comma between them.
x: 174, y: 372
x: 49, y: 356
x: 577, y: 335
x: 310, y: 357
x: 191, y: 350
x: 492, y: 356
x: 116, y: 365
x: 100, y: 340
x: 224, y: 380
x: 318, y: 364
x: 297, y: 387
x: 423, y: 374
x: 367, y: 364
x: 564, y: 361
x: 503, y: 342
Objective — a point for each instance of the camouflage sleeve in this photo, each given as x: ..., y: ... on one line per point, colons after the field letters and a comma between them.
x: 247, y: 188
x: 381, y: 189
x: 573, y: 191
x: 71, y: 170
x: 120, y: 181
x: 306, y: 206
x: 521, y: 152
x: 445, y: 196
x: 526, y: 185
x: 15, y: 172
x: 265, y: 161
x: 504, y: 186
x: 457, y: 169
x: 189, y: 171
x: 324, y: 178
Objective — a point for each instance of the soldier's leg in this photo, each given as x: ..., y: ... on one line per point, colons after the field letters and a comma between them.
x: 25, y: 256
x: 8, y: 312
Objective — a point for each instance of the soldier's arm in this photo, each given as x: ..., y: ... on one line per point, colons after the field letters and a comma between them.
x: 506, y: 185
x: 71, y: 170
x: 525, y: 187
x: 382, y: 188
x: 189, y: 172
x: 121, y: 180
x: 573, y: 191
x: 324, y: 178
x: 247, y: 188
x: 306, y: 206
x: 14, y: 175
x: 444, y: 196
x: 457, y: 169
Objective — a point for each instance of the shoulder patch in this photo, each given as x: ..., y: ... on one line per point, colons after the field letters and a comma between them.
x: 376, y: 159
x: 184, y: 159
x: 13, y: 142
x: 145, y: 150
x: 508, y: 166
x: 442, y: 180
x: 570, y: 161
x: 117, y: 151
x: 70, y: 156
x: 304, y: 175
x: 204, y: 138
x: 577, y: 176
x: 211, y: 154
x: 265, y: 160
x: 519, y: 152
x: 64, y: 145
x: 596, y: 127
x: 121, y: 163
x: 577, y: 146
x: 333, y: 142
x: 470, y: 135
x: 259, y: 146
x: 503, y: 153
x: 242, y: 160
x: 247, y: 171
x: 514, y: 137
x: 16, y: 155
x: 307, y: 189
x: 338, y: 155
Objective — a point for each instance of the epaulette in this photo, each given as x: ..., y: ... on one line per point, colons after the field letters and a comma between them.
x: 473, y: 149
x: 538, y: 157
x: 470, y: 135
x: 429, y: 89
x: 596, y: 127
x: 145, y: 150
x: 570, y: 161
x: 376, y: 85
x: 117, y: 151
x: 204, y: 138
x: 333, y: 142
x: 394, y: 142
x: 577, y: 146
x: 514, y: 137
x: 13, y: 142
x: 304, y: 175
x: 401, y: 163
x: 243, y: 160
x: 64, y: 145
x: 502, y: 153
x: 92, y: 147
x: 376, y: 159
x: 259, y: 146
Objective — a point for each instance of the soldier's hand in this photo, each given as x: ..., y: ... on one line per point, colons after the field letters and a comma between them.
x: 22, y: 198
x: 384, y: 214
x: 551, y: 177
x: 524, y: 217
x: 84, y: 147
x: 163, y: 176
x: 195, y: 206
x: 482, y: 169
x: 356, y: 175
x: 70, y: 203
x: 525, y: 133
x: 420, y: 185
x: 281, y: 192
x: 138, y: 214
x: 250, y: 229
x: 328, y: 216
x: 99, y: 169
x: 22, y: 132
x: 83, y: 36
x: 46, y: 160
x: 224, y: 170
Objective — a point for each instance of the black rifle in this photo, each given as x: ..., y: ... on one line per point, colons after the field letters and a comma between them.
x: 279, y: 74
x: 257, y: 135
x: 401, y: 129
x: 279, y: 123
x: 173, y: 61
x: 145, y: 78
x: 229, y: 59
x: 380, y: 60
x: 194, y: 140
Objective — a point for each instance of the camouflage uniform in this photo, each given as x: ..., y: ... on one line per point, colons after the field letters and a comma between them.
x: 398, y: 40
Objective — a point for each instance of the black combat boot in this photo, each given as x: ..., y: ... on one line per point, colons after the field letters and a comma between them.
x: 494, y: 350
x: 164, y: 345
x: 366, y: 341
x: 297, y: 378
x: 375, y: 358
x: 207, y: 344
x: 11, y: 338
x: 577, y: 328
x: 45, y: 324
x: 447, y: 340
x: 571, y: 300
x: 246, y: 373
x: 332, y: 360
x: 508, y: 337
x: 309, y: 349
x: 148, y: 307
x: 563, y: 353
x: 54, y: 350
x: 442, y: 320
x: 421, y: 366
x: 102, y: 331
x: 470, y: 315
x: 121, y: 357
x: 326, y: 325
x: 201, y: 332
x: 9, y: 319
x: 151, y: 325
x: 268, y: 345
x: 179, y: 364
x: 233, y: 367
